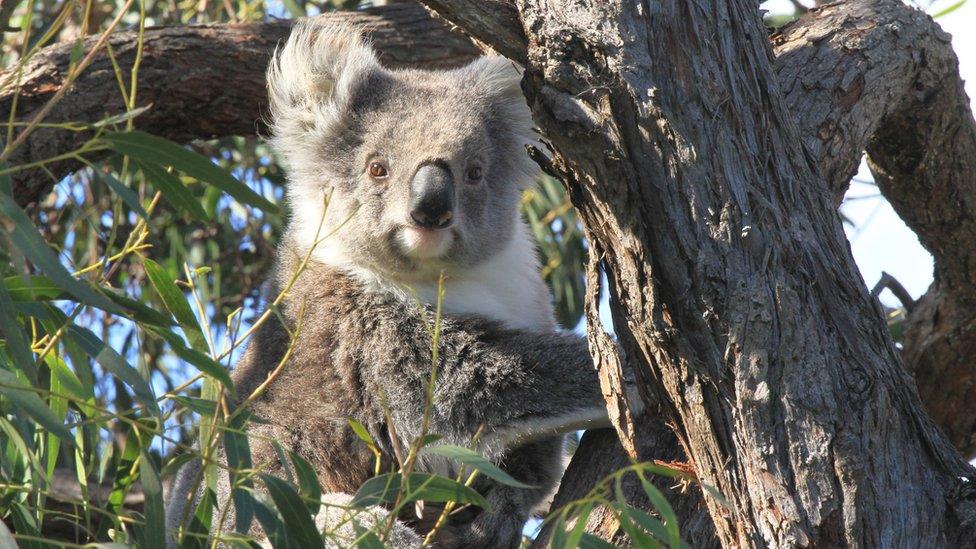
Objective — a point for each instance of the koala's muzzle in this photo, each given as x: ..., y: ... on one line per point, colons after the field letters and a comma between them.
x: 432, y: 197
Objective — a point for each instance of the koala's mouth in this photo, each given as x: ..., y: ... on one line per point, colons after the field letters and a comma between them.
x: 417, y: 243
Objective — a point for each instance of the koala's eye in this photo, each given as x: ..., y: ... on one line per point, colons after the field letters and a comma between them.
x: 377, y: 170
x: 474, y: 174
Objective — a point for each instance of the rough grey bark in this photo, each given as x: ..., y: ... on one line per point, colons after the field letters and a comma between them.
x: 202, y: 81
x: 881, y: 76
x: 737, y: 300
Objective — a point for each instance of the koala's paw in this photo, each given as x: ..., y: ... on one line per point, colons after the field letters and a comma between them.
x: 341, y: 522
x: 502, y: 531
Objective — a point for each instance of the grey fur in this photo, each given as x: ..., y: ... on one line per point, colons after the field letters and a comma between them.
x: 363, y: 347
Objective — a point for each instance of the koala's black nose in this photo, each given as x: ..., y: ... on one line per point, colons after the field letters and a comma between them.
x: 432, y: 197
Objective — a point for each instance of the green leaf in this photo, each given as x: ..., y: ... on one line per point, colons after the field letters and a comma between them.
x: 201, y: 361
x: 420, y: 486
x: 113, y: 363
x: 644, y: 521
x: 121, y: 117
x: 271, y: 522
x: 139, y: 311
x: 949, y: 9
x: 713, y: 491
x: 673, y: 536
x: 30, y: 243
x: 77, y: 51
x: 301, y: 527
x: 362, y: 432
x: 137, y: 440
x: 579, y: 528
x: 174, y: 190
x: 153, y: 532
x: 202, y: 406
x: 15, y: 338
x: 33, y: 288
x: 175, y: 301
x: 26, y: 399
x: 637, y: 535
x: 153, y: 149
x: 365, y: 539
x: 472, y: 459
x: 308, y: 483
x: 41, y: 288
x: 128, y: 196
x: 25, y: 525
x: 198, y: 531
x: 238, y: 452
x: 589, y: 541
x: 174, y: 465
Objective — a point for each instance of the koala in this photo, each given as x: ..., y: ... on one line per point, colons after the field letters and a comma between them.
x: 398, y: 179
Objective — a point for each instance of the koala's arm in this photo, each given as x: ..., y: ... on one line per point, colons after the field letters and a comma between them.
x: 518, y: 386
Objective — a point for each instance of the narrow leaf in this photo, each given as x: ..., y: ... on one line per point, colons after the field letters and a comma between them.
x: 27, y: 400
x: 174, y: 190
x: 153, y: 532
x: 472, y: 459
x: 15, y: 338
x: 301, y: 527
x: 157, y: 150
x: 30, y: 243
x: 420, y: 486
x: 175, y: 302
x: 589, y: 541
x: 128, y: 196
x: 113, y: 362
x: 308, y: 483
x: 201, y: 361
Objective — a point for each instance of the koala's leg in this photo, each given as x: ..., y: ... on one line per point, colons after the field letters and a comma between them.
x: 184, y: 494
x: 538, y: 464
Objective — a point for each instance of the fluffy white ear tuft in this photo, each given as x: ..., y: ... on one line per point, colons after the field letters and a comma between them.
x: 497, y: 76
x: 312, y: 77
x: 501, y: 82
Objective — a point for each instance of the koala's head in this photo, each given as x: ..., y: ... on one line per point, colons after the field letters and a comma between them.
x: 423, y: 169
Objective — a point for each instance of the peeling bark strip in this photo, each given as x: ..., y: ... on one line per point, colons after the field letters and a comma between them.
x: 738, y: 302
x: 202, y: 81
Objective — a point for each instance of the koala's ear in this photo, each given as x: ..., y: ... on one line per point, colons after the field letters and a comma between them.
x: 314, y: 75
x: 500, y: 81
x: 496, y: 76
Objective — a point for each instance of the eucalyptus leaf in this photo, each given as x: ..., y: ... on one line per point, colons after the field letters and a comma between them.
x: 176, y: 303
x: 148, y: 148
x: 385, y: 488
x: 472, y: 459
x: 301, y: 527
x: 30, y: 243
x: 26, y: 399
x: 174, y: 190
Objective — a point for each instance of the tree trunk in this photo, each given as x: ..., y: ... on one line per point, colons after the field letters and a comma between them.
x: 734, y: 293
